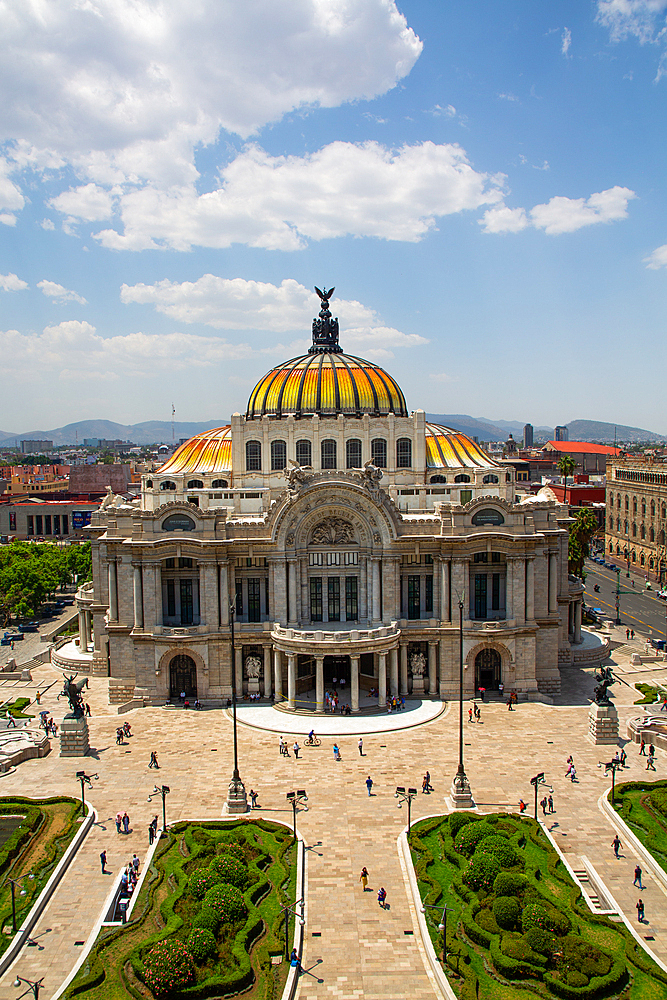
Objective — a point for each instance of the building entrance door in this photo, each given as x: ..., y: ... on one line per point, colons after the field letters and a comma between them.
x: 337, y: 669
x: 182, y: 676
x: 488, y: 669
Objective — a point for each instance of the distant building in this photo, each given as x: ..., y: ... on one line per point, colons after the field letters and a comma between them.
x: 636, y: 514
x: 36, y: 447
x: 561, y: 433
x: 51, y: 519
x: 96, y: 478
x: 589, y: 457
x: 528, y: 436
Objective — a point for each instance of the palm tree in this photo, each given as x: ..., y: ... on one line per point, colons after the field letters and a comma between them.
x: 566, y: 466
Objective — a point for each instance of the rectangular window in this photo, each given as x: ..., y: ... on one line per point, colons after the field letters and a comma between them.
x: 38, y: 521
x: 170, y: 564
x: 480, y: 595
x: 65, y: 524
x: 328, y: 449
x: 316, y: 598
x: 481, y: 557
x: 495, y: 592
x: 333, y: 588
x: 254, y: 607
x: 171, y: 599
x: 56, y: 524
x: 47, y: 524
x: 31, y: 524
x: 239, y: 597
x: 466, y: 496
x: 428, y: 594
x: 266, y: 595
x: 495, y: 557
x: 414, y: 597
x: 186, y: 602
x: 353, y: 453
x: 185, y: 563
x: 351, y: 599
x: 12, y: 520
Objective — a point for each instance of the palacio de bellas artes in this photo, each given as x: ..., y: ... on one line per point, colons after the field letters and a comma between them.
x: 348, y: 537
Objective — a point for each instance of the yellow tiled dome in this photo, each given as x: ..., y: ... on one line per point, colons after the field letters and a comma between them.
x: 449, y: 449
x: 207, y: 452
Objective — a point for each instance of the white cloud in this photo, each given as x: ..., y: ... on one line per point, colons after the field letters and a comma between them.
x: 437, y: 111
x: 11, y: 198
x: 657, y: 259
x: 566, y: 41
x: 12, y: 283
x: 508, y: 97
x: 639, y: 18
x: 58, y: 293
x: 89, y: 202
x: 441, y: 377
x: 280, y: 202
x: 47, y: 224
x: 561, y: 215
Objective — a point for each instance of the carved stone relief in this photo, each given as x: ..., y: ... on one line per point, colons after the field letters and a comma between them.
x: 332, y: 531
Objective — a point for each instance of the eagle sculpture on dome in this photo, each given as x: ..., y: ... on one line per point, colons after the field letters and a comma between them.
x: 325, y: 328
x: 325, y: 295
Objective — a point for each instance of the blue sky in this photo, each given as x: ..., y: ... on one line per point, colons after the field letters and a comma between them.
x: 483, y: 183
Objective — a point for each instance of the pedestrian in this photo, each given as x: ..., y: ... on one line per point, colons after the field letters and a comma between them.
x: 294, y: 960
x: 470, y: 715
x: 509, y: 705
x: 11, y: 721
x: 361, y: 746
x: 627, y: 635
x: 543, y: 803
x: 522, y: 806
x: 477, y: 712
x: 119, y: 820
x: 119, y: 735
x: 650, y: 764
x: 38, y: 698
x: 151, y: 834
x: 382, y: 897
x: 182, y: 697
x: 296, y: 749
x: 551, y: 803
x: 624, y: 757
x: 402, y: 703
x: 103, y: 859
x: 651, y: 750
x: 501, y: 688
x: 642, y: 748
x: 126, y: 823
x: 427, y: 787
x: 638, y: 877
x: 632, y: 633
x: 253, y: 799
x: 616, y: 844
x: 640, y: 910
x: 369, y: 784
x: 363, y: 878
x: 135, y: 863
x: 153, y: 761
x: 663, y: 707
x: 336, y: 752
x: 87, y: 709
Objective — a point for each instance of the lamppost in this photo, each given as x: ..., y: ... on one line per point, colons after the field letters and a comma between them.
x: 442, y: 926
x: 404, y: 796
x: 163, y: 791
x: 237, y: 800
x: 32, y: 987
x: 287, y: 910
x: 296, y: 798
x: 617, y: 595
x: 536, y: 782
x: 13, y: 882
x: 461, y: 793
x: 85, y: 780
x: 611, y: 765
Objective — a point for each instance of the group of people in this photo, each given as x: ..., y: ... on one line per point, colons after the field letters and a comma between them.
x: 475, y: 713
x: 639, y: 905
x: 47, y: 724
x: 650, y: 757
x: 130, y: 876
x: 122, y: 732
x: 395, y: 704
x: 382, y: 892
x: 122, y: 820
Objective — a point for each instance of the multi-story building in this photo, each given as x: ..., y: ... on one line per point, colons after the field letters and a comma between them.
x: 636, y: 514
x: 528, y: 436
x: 36, y: 447
x: 561, y: 433
x: 49, y: 519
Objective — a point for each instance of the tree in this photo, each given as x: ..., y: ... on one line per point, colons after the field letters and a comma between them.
x: 581, y: 532
x: 566, y: 466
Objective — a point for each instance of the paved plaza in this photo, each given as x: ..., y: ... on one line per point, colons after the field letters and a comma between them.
x: 356, y: 948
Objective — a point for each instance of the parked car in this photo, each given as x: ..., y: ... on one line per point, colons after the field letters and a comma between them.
x: 611, y: 566
x: 662, y: 594
x: 29, y: 627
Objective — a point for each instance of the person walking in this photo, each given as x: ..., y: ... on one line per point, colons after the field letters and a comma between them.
x: 650, y: 763
x: 363, y: 878
x: 382, y: 897
x: 616, y: 844
x: 126, y: 823
x: 427, y: 787
x: 543, y: 803
x: 627, y: 635
x: 369, y: 784
x: 624, y: 757
x: 103, y: 860
x: 470, y: 715
x: 135, y: 863
x: 640, y: 910
x: 253, y: 799
x: 522, y: 806
x: 119, y: 820
x: 632, y: 634
x: 153, y: 761
x: 336, y: 752
x: 551, y: 803
x: 509, y: 705
x: 638, y: 877
x: 151, y: 834
x: 296, y: 749
x: 11, y: 721
x: 87, y: 709
x: 361, y: 746
x: 642, y: 748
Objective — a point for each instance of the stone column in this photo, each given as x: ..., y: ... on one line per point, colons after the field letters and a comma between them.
x: 393, y: 666
x: 87, y: 626
x: 223, y: 594
x: 293, y: 612
x: 138, y: 599
x: 364, y: 606
x: 82, y: 630
x: 509, y: 589
x: 577, y: 622
x: 319, y: 683
x: 382, y: 680
x: 518, y: 577
x: 432, y: 648
x: 267, y: 670
x: 460, y: 586
x: 278, y: 674
x: 113, y: 592
x: 444, y: 591
x: 553, y: 582
x: 404, y: 668
x: 291, y: 680
x: 377, y: 611
x: 530, y: 589
x: 443, y: 675
x: 354, y: 682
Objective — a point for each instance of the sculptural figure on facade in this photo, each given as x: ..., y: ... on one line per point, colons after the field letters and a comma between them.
x: 73, y: 692
x: 605, y: 678
x: 297, y: 476
x: 417, y: 664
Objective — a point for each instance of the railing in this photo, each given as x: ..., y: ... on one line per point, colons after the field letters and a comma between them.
x: 351, y: 635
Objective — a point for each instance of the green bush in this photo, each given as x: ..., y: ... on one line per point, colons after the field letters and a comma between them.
x: 460, y: 819
x: 470, y: 835
x: 514, y: 968
x: 168, y: 967
x: 501, y: 849
x: 534, y: 915
x: 481, y: 872
x: 540, y: 940
x: 208, y: 919
x: 506, y: 910
x: 201, y: 881
x: 520, y: 950
x: 228, y: 901
x: 509, y: 884
x: 658, y: 799
x: 486, y: 920
x: 226, y: 868
x: 575, y: 978
x: 235, y: 849
x: 201, y: 944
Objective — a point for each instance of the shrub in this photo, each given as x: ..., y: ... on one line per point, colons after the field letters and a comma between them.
x: 575, y: 978
x: 509, y: 884
x: 460, y: 819
x: 168, y: 967
x: 486, y: 920
x: 658, y: 799
x: 235, y: 849
x: 208, y: 919
x: 500, y: 849
x: 201, y: 944
x: 534, y: 915
x: 506, y: 910
x: 227, y: 901
x: 481, y: 872
x: 470, y: 835
x: 540, y: 940
x: 201, y: 881
x: 519, y: 949
x: 226, y: 868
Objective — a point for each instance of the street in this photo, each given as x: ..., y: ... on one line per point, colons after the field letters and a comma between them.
x: 640, y: 609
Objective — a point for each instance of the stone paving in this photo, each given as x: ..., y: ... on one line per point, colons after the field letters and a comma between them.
x: 355, y: 947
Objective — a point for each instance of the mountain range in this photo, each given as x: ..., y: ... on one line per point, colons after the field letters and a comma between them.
x: 579, y: 430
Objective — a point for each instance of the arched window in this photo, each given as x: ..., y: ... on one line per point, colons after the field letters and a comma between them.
x: 618, y: 524
x: 195, y: 484
x: 643, y: 505
x: 634, y: 505
x: 641, y: 559
x: 643, y: 531
x: 634, y: 556
x: 404, y: 453
x: 634, y: 530
x: 329, y: 453
x: 611, y: 524
x: 618, y: 550
x: 490, y: 479
x: 462, y: 478
x: 488, y: 515
x: 661, y: 537
x: 379, y: 452
x: 149, y: 484
x: 663, y: 513
x: 618, y: 501
x: 253, y: 456
x: 652, y: 508
x: 611, y: 547
x: 178, y: 522
x: 625, y: 527
x: 353, y: 453
x: 278, y: 455
x: 508, y: 477
x: 627, y: 502
x: 167, y: 485
x: 304, y: 453
x: 650, y: 563
x: 438, y: 479
x: 220, y: 484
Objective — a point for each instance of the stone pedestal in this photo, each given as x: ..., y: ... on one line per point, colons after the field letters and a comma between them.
x: 253, y: 685
x: 237, y: 800
x: 74, y: 737
x: 461, y: 794
x: 418, y: 686
x: 603, y: 725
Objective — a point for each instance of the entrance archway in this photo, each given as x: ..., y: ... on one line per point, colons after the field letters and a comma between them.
x: 338, y: 668
x: 182, y: 676
x: 488, y: 669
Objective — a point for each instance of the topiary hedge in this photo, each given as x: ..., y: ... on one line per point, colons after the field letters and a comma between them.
x: 460, y: 819
x: 227, y: 901
x: 227, y: 868
x: 470, y: 835
x: 509, y: 884
x: 201, y: 881
x: 481, y: 872
x: 208, y: 919
x: 201, y: 944
x: 507, y: 911
x: 501, y: 849
x: 168, y: 967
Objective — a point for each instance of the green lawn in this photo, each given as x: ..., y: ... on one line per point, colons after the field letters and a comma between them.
x: 643, y: 806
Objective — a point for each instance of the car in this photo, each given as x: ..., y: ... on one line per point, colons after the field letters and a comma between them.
x: 13, y: 637
x: 662, y: 594
x: 611, y: 566
x: 29, y: 627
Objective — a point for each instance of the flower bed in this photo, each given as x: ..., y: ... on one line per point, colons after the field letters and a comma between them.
x: 207, y: 921
x: 518, y: 924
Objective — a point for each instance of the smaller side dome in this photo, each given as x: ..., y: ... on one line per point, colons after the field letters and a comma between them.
x: 204, y: 453
x: 449, y: 449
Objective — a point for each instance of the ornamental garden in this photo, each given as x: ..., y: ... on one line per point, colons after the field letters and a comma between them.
x: 517, y: 923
